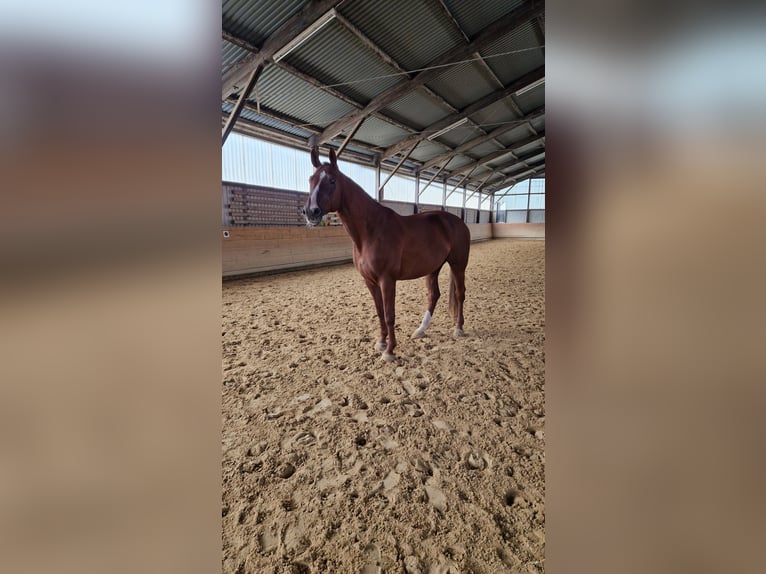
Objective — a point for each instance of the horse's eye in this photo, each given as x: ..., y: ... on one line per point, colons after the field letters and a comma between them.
x: 332, y: 181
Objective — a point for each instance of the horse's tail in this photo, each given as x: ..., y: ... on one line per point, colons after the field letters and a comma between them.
x: 452, y: 296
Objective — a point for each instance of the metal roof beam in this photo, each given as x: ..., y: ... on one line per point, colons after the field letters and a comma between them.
x: 254, y: 75
x: 481, y: 139
x: 515, y: 178
x: 430, y: 181
x: 275, y: 134
x: 350, y: 135
x: 449, y: 15
x: 473, y: 108
x: 380, y: 53
x: 527, y: 175
x: 518, y: 162
x: 500, y: 175
x: 398, y: 165
x: 457, y: 185
x: 478, y: 190
x: 288, y: 31
x: 489, y: 34
x: 229, y: 37
x: 500, y: 153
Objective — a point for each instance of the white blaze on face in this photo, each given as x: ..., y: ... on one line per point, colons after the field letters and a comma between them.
x: 314, y: 192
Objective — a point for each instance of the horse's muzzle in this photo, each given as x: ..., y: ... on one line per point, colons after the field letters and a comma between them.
x: 313, y: 216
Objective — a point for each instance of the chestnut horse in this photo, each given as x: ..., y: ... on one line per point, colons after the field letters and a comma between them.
x: 389, y: 247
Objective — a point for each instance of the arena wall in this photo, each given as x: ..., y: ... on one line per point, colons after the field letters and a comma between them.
x: 480, y: 231
x: 518, y: 230
x: 253, y: 250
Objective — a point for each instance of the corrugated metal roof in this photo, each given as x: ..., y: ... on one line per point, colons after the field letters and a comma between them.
x: 460, y: 135
x: 514, y: 135
x: 481, y: 171
x: 412, y: 33
x: 256, y: 20
x: 426, y: 150
x: 334, y: 55
x: 459, y: 161
x: 231, y: 54
x: 463, y: 84
x: 532, y: 99
x: 485, y: 148
x: 515, y: 168
x: 281, y: 91
x: 503, y: 159
x: 527, y: 149
x: 268, y: 121
x: 495, y: 115
x: 376, y: 132
x: 417, y: 109
x: 509, y: 67
x: 474, y: 16
x: 539, y: 123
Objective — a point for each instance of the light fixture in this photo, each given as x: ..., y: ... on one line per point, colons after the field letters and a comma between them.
x: 443, y: 131
x: 318, y: 24
x: 530, y: 87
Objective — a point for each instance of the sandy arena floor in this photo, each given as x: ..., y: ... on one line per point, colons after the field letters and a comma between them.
x: 336, y: 461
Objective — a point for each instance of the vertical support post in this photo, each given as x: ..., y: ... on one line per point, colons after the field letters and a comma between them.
x: 417, y: 190
x: 464, y: 194
x: 529, y: 196
x: 478, y: 211
x: 444, y: 193
x: 377, y: 179
x: 232, y: 119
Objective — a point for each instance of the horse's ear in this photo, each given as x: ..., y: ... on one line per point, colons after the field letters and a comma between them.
x: 315, y: 157
x: 333, y: 158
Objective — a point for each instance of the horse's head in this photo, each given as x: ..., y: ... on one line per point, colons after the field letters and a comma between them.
x: 325, y: 194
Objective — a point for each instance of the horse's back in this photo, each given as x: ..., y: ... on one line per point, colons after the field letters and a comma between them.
x: 451, y: 224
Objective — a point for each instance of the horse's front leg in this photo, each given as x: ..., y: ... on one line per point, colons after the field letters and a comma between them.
x: 377, y: 296
x: 388, y: 289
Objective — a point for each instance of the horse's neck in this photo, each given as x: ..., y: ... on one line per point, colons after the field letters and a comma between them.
x: 359, y: 212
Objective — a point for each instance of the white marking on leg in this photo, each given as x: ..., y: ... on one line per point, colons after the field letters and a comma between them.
x: 421, y: 331
x: 426, y: 321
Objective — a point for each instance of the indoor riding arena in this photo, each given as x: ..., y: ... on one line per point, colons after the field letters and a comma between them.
x: 338, y: 454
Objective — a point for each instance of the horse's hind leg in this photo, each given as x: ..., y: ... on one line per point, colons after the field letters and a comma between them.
x: 432, y: 284
x: 377, y: 296
x: 457, y: 297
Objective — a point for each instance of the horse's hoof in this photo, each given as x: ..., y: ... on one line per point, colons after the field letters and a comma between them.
x: 458, y: 332
x: 388, y: 357
x: 418, y: 334
x: 380, y: 346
